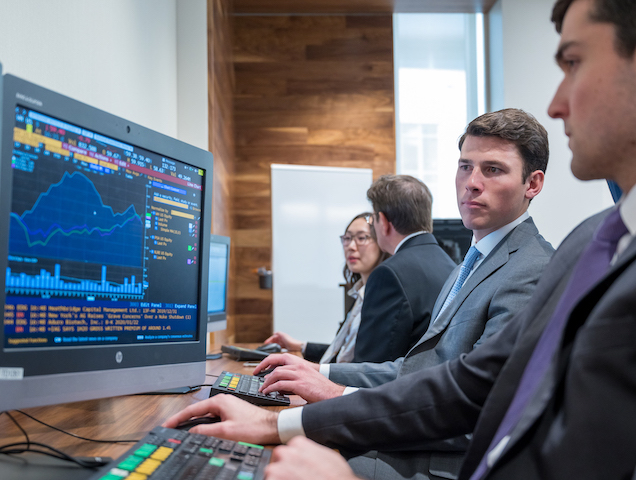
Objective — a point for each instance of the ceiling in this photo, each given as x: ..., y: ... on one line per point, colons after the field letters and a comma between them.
x: 307, y: 7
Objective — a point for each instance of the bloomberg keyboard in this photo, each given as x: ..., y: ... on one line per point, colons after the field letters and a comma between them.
x: 241, y: 354
x: 246, y: 387
x: 168, y: 454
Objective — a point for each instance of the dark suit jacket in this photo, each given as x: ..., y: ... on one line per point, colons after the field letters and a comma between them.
x: 315, y: 351
x: 581, y: 424
x: 399, y: 298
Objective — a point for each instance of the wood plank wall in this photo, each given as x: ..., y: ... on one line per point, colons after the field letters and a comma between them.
x: 221, y: 138
x: 310, y: 90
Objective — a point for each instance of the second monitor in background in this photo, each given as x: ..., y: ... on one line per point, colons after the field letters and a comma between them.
x: 453, y: 237
x: 218, y: 277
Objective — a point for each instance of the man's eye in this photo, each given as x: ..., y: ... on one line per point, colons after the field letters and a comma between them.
x: 570, y: 64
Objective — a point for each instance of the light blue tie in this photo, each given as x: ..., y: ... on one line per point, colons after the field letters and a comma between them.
x: 469, y: 260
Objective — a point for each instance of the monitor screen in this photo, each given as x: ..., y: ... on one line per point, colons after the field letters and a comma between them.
x: 453, y: 237
x: 218, y: 276
x: 103, y: 224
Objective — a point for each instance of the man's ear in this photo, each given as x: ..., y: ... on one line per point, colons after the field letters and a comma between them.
x: 535, y: 184
x: 383, y: 224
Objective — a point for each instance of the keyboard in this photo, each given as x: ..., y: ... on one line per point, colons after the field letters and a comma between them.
x: 241, y: 354
x: 246, y: 387
x: 168, y: 454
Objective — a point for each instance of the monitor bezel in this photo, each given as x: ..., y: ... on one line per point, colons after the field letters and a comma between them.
x: 141, y: 367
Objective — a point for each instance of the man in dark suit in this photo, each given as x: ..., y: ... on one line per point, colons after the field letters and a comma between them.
x: 553, y: 394
x: 401, y: 291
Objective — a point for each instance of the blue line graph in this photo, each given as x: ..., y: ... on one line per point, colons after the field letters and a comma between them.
x: 70, y: 221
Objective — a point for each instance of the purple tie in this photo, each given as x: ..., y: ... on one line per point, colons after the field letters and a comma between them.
x: 592, y: 265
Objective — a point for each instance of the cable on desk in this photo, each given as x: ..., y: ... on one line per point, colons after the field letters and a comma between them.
x: 26, y: 435
x: 64, y: 431
x: 41, y: 448
x: 16, y: 448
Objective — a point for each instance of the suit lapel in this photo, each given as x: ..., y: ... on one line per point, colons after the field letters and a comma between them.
x: 448, y: 285
x: 493, y: 262
x: 557, y: 370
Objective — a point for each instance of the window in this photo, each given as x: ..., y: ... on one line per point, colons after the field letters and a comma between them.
x: 439, y: 83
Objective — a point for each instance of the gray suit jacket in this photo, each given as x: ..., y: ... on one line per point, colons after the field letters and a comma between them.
x: 580, y: 424
x: 492, y: 295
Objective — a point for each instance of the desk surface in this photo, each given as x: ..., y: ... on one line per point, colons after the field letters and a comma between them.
x: 125, y: 417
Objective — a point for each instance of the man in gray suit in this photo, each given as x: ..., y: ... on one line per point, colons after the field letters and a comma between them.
x: 497, y: 151
x: 551, y: 395
x: 501, y: 168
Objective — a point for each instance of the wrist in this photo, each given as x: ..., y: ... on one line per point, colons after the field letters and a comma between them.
x: 271, y: 423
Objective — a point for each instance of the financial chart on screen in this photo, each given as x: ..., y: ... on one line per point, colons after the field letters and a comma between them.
x: 97, y: 229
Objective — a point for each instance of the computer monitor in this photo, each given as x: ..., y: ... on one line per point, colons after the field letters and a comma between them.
x: 453, y: 237
x: 218, y: 277
x: 103, y: 225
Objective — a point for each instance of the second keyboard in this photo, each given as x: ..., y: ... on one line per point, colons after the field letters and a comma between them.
x: 246, y: 387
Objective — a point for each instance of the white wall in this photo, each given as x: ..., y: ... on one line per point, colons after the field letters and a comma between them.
x: 117, y: 55
x: 192, y: 72
x: 524, y: 75
x: 311, y: 207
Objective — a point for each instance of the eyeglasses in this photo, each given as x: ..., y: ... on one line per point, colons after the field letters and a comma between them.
x: 360, y: 239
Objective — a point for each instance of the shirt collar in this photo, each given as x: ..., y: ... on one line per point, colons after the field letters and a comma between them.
x: 357, y: 290
x: 627, y: 206
x: 421, y: 232
x: 490, y: 241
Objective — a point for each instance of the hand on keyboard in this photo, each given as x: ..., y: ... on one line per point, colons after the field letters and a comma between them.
x: 303, y: 380
x: 240, y: 421
x: 279, y: 359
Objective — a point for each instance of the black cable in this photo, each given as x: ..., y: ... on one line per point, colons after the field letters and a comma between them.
x: 26, y: 435
x: 65, y: 432
x: 11, y: 448
x: 28, y: 446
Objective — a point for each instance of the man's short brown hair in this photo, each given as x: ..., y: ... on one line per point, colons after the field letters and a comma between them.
x: 405, y: 201
x: 620, y: 13
x: 519, y: 128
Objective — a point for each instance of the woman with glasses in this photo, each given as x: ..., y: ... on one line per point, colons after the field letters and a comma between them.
x: 362, y: 255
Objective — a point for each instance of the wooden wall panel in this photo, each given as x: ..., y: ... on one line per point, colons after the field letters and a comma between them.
x: 221, y: 138
x: 310, y: 90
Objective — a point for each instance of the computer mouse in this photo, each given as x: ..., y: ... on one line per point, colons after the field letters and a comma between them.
x: 188, y: 424
x: 267, y: 371
x: 269, y: 348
